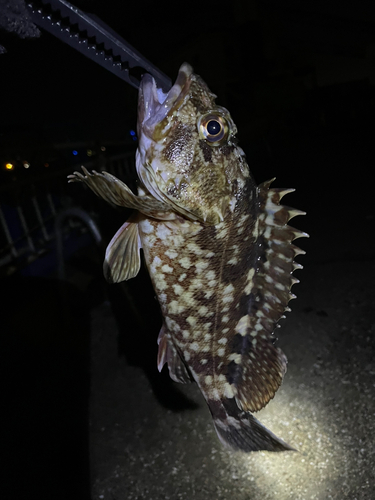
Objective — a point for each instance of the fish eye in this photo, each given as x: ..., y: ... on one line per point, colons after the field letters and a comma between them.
x: 213, y: 128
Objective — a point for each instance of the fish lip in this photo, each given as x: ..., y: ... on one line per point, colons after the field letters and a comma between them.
x: 154, y: 105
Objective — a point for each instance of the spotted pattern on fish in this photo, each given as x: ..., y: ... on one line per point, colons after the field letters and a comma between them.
x: 218, y: 249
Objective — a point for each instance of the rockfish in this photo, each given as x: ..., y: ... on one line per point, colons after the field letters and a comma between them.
x: 218, y: 250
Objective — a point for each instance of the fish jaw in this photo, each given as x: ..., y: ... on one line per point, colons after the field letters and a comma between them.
x: 154, y: 105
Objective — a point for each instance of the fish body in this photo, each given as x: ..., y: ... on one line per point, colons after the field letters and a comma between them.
x: 218, y: 250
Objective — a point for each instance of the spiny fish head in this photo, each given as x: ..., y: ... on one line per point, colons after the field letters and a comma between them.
x: 187, y: 155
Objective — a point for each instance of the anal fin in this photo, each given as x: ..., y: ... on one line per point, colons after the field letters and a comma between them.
x: 168, y: 354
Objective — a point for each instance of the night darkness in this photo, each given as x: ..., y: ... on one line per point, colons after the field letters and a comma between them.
x: 87, y: 414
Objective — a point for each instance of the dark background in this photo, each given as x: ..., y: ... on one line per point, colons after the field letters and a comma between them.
x: 298, y: 79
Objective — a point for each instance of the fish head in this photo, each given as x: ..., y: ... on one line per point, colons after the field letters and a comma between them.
x: 187, y: 155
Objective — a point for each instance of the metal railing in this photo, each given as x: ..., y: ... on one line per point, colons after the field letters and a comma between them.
x: 29, y: 210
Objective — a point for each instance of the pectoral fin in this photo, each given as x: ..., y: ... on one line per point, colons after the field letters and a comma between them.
x: 122, y: 259
x: 114, y: 191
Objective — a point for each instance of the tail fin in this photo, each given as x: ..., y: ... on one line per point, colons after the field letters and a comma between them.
x: 239, y: 430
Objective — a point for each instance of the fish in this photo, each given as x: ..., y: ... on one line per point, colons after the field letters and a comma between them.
x: 218, y: 249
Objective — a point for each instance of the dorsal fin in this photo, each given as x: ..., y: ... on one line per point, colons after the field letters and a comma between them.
x: 258, y: 367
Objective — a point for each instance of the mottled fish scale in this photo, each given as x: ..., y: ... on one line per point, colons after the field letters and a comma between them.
x: 218, y: 249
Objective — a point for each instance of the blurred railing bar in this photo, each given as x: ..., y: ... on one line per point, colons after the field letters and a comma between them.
x: 8, y: 237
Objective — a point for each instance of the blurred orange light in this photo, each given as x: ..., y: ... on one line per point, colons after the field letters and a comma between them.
x: 9, y: 166
x: 46, y: 164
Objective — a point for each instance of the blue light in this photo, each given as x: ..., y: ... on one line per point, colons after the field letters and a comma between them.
x: 75, y: 152
x: 132, y: 133
x: 134, y: 138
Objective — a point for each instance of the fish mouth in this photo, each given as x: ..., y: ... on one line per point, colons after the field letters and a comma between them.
x: 154, y: 105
